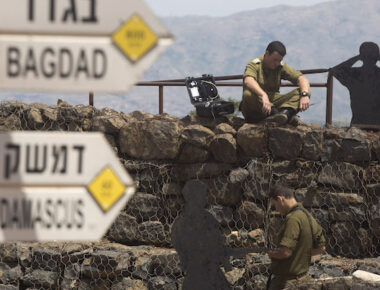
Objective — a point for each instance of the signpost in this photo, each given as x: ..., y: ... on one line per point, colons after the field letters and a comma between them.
x: 77, y: 45
x: 52, y: 187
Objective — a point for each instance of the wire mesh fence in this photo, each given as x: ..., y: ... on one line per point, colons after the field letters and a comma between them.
x: 137, y: 251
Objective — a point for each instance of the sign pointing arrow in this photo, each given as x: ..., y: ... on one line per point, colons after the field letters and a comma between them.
x: 52, y: 187
x: 78, y: 45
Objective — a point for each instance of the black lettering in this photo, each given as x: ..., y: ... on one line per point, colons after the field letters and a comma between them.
x: 69, y: 216
x: 5, y: 213
x: 52, y: 10
x: 30, y: 63
x: 79, y: 213
x: 50, y: 213
x: 51, y: 64
x: 13, y: 63
x: 80, y: 157
x: 99, y: 55
x: 8, y: 168
x: 82, y: 65
x: 70, y: 12
x: 31, y: 10
x: 27, y: 213
x: 37, y: 214
x: 58, y: 204
x: 65, y: 57
x: 16, y: 214
x: 66, y: 206
x: 60, y: 154
x: 92, y: 13
x: 35, y: 168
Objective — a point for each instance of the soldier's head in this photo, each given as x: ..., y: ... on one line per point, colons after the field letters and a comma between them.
x: 274, y: 54
x: 369, y: 53
x: 282, y: 197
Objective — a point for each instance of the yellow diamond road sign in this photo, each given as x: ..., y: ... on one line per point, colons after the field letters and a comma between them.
x: 134, y: 38
x: 106, y: 188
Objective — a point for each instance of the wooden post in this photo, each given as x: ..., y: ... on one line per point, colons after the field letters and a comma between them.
x: 91, y: 99
x: 329, y: 98
x: 160, y: 99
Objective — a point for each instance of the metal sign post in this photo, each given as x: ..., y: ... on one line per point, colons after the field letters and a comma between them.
x: 52, y: 187
x: 51, y: 45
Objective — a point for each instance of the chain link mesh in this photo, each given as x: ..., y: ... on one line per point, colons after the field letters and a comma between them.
x: 137, y: 251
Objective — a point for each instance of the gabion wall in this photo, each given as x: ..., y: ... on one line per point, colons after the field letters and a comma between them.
x: 335, y: 172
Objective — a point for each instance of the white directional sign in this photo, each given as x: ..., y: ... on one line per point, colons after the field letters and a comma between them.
x: 77, y: 45
x: 59, y: 186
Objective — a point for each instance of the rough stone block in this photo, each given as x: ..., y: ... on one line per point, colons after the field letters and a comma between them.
x: 341, y: 175
x: 223, y: 214
x: 285, y: 143
x: 190, y: 153
x: 355, y: 151
x: 249, y: 216
x: 223, y: 147
x: 145, y: 207
x: 312, y: 146
x: 150, y: 139
x: 197, y: 135
x: 124, y: 229
x: 253, y: 140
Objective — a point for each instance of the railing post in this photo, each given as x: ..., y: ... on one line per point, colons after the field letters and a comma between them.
x: 91, y: 99
x: 329, y: 98
x: 161, y: 99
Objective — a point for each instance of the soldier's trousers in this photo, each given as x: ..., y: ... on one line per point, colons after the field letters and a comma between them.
x: 281, y: 283
x: 252, y: 105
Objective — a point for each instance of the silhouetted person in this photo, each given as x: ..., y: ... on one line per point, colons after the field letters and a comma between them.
x: 363, y: 84
x: 199, y: 242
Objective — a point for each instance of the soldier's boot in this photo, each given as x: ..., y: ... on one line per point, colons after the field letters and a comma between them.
x: 295, y: 121
x: 277, y: 117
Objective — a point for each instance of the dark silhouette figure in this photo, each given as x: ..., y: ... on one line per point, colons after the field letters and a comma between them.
x: 199, y: 242
x: 363, y: 84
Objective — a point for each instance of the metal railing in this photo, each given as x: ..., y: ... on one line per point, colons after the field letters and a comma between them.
x: 220, y: 81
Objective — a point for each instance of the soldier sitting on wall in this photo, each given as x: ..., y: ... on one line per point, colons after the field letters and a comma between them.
x: 261, y: 86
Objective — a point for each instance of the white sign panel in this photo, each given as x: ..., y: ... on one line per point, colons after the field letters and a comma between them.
x: 48, y: 214
x: 78, y: 45
x: 68, y: 64
x: 59, y: 186
x: 50, y: 158
x: 73, y: 17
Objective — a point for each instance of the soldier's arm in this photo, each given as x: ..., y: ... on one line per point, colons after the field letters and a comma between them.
x: 254, y: 87
x: 319, y: 240
x: 304, y: 85
x: 281, y: 253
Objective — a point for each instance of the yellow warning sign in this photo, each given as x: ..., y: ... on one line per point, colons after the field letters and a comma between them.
x: 106, y: 188
x: 134, y: 38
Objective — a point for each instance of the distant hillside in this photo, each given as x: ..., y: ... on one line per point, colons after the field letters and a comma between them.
x: 318, y: 36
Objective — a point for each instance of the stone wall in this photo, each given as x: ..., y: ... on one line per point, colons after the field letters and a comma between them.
x: 335, y: 172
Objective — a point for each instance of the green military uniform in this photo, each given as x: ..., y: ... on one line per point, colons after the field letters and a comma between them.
x: 269, y: 81
x: 300, y: 234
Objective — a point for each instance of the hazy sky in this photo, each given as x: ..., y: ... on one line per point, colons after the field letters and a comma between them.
x: 218, y: 7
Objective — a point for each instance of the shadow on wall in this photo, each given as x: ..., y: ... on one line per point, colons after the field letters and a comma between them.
x: 363, y: 84
x: 199, y: 243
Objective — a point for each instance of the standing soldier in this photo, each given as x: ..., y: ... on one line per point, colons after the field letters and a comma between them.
x: 300, y: 237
